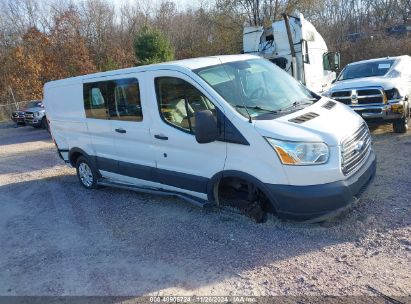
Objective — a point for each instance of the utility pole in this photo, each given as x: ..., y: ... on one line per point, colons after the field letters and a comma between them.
x: 14, y: 99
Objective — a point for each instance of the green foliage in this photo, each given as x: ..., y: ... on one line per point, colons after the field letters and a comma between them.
x: 151, y: 46
x: 109, y: 65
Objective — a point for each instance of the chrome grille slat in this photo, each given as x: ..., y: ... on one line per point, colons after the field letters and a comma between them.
x: 343, y: 97
x: 352, y: 138
x: 355, y: 157
x: 29, y: 115
x: 369, y: 96
x: 350, y: 159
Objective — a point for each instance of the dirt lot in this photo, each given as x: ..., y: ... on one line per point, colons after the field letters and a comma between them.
x: 57, y: 238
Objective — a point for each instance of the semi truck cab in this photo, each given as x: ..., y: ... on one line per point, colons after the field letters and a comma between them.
x: 295, y: 45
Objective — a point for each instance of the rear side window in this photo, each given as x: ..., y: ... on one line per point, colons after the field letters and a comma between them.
x: 117, y: 99
x: 124, y: 100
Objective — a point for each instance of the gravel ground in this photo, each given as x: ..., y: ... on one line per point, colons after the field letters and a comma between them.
x: 58, y: 238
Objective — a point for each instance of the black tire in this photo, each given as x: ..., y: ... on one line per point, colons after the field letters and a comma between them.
x: 401, y: 125
x: 86, y: 173
x: 44, y: 124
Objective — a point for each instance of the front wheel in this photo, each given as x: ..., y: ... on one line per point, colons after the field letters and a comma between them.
x: 86, y: 174
x: 401, y: 125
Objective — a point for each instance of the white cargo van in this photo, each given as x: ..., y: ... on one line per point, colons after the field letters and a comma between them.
x: 231, y: 130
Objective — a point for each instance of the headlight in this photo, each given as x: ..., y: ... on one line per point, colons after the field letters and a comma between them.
x: 37, y: 114
x: 392, y: 94
x: 300, y: 153
x: 326, y: 94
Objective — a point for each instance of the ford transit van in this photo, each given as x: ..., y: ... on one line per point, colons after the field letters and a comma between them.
x: 225, y: 130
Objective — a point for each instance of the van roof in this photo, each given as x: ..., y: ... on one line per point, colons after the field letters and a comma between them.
x: 181, y: 65
x: 379, y: 59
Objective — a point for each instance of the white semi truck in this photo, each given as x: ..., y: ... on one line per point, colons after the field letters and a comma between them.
x: 295, y: 45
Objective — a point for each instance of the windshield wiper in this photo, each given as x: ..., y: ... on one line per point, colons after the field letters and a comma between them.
x: 258, y: 109
x: 300, y: 103
x: 305, y: 101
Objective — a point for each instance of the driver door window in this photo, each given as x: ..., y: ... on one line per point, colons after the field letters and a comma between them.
x: 178, y: 102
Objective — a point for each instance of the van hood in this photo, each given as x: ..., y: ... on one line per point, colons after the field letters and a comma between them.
x: 380, y: 81
x: 330, y: 125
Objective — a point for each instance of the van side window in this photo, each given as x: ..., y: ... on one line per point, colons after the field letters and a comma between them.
x: 117, y: 99
x: 124, y: 100
x: 94, y: 101
x: 178, y: 101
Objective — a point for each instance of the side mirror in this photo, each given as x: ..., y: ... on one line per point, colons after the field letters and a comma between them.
x: 306, y: 57
x: 332, y: 61
x: 206, y: 127
x: 337, y: 61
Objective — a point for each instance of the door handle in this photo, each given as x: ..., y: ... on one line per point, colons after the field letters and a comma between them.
x: 121, y: 131
x: 161, y: 136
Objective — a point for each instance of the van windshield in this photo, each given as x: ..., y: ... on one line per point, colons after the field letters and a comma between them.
x: 255, y: 87
x: 366, y: 69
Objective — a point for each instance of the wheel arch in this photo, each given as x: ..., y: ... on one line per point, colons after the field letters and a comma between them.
x: 245, y: 176
x: 75, y: 153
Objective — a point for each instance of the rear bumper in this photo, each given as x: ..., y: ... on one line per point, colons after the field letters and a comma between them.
x: 316, y: 201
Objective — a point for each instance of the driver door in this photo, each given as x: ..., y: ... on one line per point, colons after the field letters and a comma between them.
x: 181, y: 161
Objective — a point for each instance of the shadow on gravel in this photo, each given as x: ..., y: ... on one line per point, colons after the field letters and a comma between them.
x: 11, y: 136
x: 29, y: 161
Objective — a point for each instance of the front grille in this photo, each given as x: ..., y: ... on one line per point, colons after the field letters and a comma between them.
x: 359, y: 96
x: 355, y: 149
x: 29, y: 115
x: 366, y: 96
x: 342, y: 96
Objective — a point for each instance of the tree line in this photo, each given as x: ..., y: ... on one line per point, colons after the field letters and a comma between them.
x: 42, y: 41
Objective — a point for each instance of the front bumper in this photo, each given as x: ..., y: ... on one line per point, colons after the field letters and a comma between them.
x: 380, y: 112
x: 18, y: 120
x: 32, y: 122
x: 316, y: 201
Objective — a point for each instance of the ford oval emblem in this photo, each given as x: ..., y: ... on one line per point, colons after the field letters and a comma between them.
x: 358, y: 146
